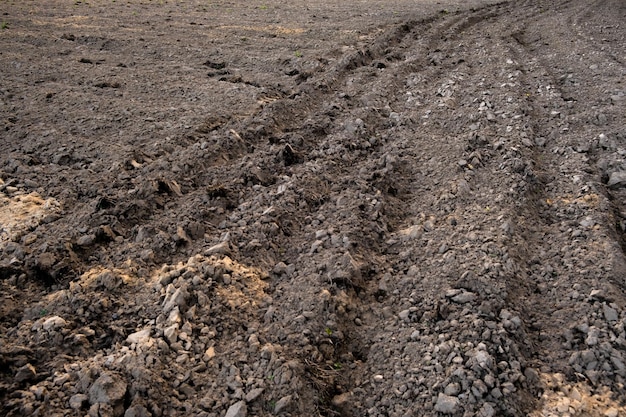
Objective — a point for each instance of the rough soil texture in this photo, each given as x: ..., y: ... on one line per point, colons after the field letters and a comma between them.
x: 356, y: 208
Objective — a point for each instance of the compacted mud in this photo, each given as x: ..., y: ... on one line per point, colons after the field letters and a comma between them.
x: 357, y: 208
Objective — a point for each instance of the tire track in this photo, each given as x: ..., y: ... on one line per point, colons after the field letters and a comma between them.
x: 528, y: 338
x: 350, y: 262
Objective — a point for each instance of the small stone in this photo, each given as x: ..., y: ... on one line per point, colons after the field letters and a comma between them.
x: 610, y: 314
x: 341, y: 400
x: 77, y: 401
x: 141, y: 336
x: 239, y: 409
x: 574, y: 394
x: 404, y: 315
x: 496, y: 393
x: 618, y: 365
x: 280, y: 268
x: 62, y: 379
x: 253, y: 341
x: 490, y: 380
x: 527, y: 142
x: 222, y: 248
x: 563, y: 405
x: 479, y: 388
x: 617, y: 179
x: 587, y: 222
x: 464, y: 297
x: 592, y: 336
x: 25, y: 373
x: 39, y: 391
x: 86, y: 240
x: 137, y: 410
x: 320, y: 234
x: 253, y: 394
x: 109, y: 280
x: 447, y: 404
x: 177, y: 299
x: 54, y: 322
x: 611, y: 412
x: 171, y: 333
x: 282, y: 404
x: 486, y: 410
x: 378, y: 378
x: 109, y: 389
x: 532, y: 376
x: 452, y: 389
x: 209, y: 354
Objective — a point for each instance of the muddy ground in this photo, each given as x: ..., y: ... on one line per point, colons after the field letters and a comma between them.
x: 357, y: 208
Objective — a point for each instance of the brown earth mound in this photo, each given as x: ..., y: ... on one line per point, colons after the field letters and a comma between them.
x: 359, y: 208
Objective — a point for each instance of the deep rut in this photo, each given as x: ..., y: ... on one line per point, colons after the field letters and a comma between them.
x: 501, y: 184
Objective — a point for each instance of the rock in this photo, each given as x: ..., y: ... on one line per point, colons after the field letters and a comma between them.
x: 176, y: 299
x: 53, y: 323
x: 452, y: 389
x: 137, y: 411
x: 611, y: 412
x: 86, y: 240
x: 486, y: 410
x: 222, y: 248
x: 77, y: 401
x: 253, y: 394
x: 109, y: 389
x: 610, y: 314
x: 239, y: 409
x: 139, y: 337
x: 25, y: 373
x: 209, y: 354
x: 62, y: 379
x: 447, y: 404
x: 587, y: 222
x: 464, y: 297
x: 109, y: 280
x: 592, y: 336
x: 617, y: 179
x: 39, y: 391
x: 341, y: 400
x: 282, y: 404
x: 532, y: 376
x: 479, y: 388
x: 484, y: 359
x: 280, y: 268
x: 171, y: 333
